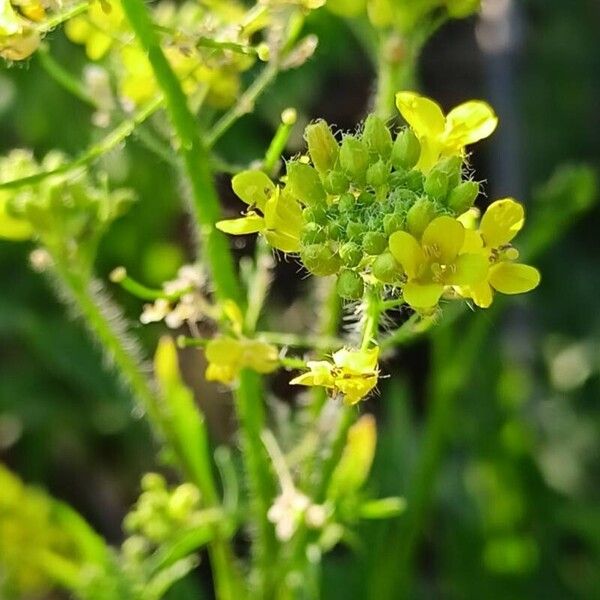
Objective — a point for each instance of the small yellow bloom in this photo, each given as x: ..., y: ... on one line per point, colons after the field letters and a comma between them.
x: 353, y: 373
x: 499, y: 225
x: 227, y: 356
x: 273, y: 213
x: 445, y: 135
x: 435, y: 261
x: 18, y: 40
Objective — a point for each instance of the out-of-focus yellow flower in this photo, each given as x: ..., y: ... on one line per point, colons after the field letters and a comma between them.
x: 435, y: 261
x: 227, y: 356
x: 98, y: 29
x: 353, y: 373
x: 499, y: 225
x: 445, y: 135
x: 18, y: 39
x: 273, y: 213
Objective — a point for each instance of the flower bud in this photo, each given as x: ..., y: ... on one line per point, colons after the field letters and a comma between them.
x: 366, y: 199
x: 354, y: 158
x: 406, y: 150
x: 377, y: 137
x: 313, y: 233
x: 392, y: 222
x: 463, y: 196
x: 436, y: 184
x: 378, y: 173
x: 346, y: 203
x: 335, y: 231
x: 414, y: 181
x: 350, y: 285
x: 355, y: 229
x: 452, y: 167
x: 320, y: 259
x: 304, y: 183
x: 419, y: 216
x: 374, y: 242
x: 322, y: 146
x: 386, y: 268
x: 315, y: 214
x: 335, y: 183
x: 351, y: 254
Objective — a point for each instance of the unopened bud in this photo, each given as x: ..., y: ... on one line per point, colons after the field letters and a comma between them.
x: 392, y: 222
x: 436, y: 184
x: 304, y: 183
x: 463, y: 196
x: 419, y: 216
x: 377, y: 137
x: 354, y: 158
x: 406, y: 150
x: 386, y: 268
x: 351, y: 254
x: 377, y: 174
x: 374, y: 243
x: 322, y: 146
x: 335, y: 183
x: 350, y: 285
x: 320, y: 260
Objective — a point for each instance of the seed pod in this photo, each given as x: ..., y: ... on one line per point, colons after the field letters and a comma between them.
x: 419, y: 216
x: 335, y: 183
x: 322, y: 146
x: 406, y: 150
x: 386, y: 268
x: 304, y: 183
x: 354, y: 158
x: 374, y: 242
x: 378, y: 173
x: 463, y: 196
x: 351, y: 254
x: 320, y: 259
x: 377, y: 137
x: 392, y: 222
x: 436, y: 185
x: 350, y: 285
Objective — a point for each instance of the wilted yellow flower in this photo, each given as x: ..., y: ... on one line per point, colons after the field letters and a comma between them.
x: 227, y: 356
x: 353, y: 373
x: 499, y: 225
x: 445, y: 135
x: 435, y: 261
x: 273, y: 213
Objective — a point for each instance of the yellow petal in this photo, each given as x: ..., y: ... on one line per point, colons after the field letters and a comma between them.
x: 253, y: 187
x: 446, y: 236
x: 249, y: 224
x: 224, y: 351
x: 13, y: 228
x: 473, y: 243
x: 357, y: 361
x: 514, y: 278
x: 283, y: 222
x: 356, y: 388
x: 260, y: 356
x: 407, y: 251
x: 422, y: 296
x: 469, y: 269
x: 468, y: 123
x: 482, y: 294
x: 224, y: 374
x: 319, y: 374
x: 424, y: 115
x: 501, y: 222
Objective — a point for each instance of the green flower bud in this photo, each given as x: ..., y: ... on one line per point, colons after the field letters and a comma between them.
x: 374, y: 242
x: 463, y: 196
x: 366, y: 199
x: 414, y: 181
x: 452, y: 167
x: 419, y: 216
x: 351, y: 254
x: 335, y: 183
x: 350, y: 285
x: 313, y: 233
x: 304, y: 183
x: 335, y: 231
x: 354, y: 158
x: 392, y: 222
x: 346, y: 203
x: 436, y: 184
x: 355, y: 229
x: 322, y: 146
x: 153, y: 482
x: 315, y: 214
x: 406, y: 150
x: 377, y: 174
x: 386, y: 268
x: 320, y: 260
x: 377, y: 137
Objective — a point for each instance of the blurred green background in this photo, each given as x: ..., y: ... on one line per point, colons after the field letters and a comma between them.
x: 517, y: 503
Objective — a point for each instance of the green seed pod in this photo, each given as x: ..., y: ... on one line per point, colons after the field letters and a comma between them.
x: 414, y: 181
x: 365, y: 199
x: 346, y: 203
x: 320, y: 260
x: 304, y: 183
x: 419, y: 216
x: 378, y: 174
x: 386, y: 268
x: 392, y: 222
x: 350, y: 285
x: 406, y: 150
x: 377, y: 137
x: 436, y: 185
x: 351, y: 254
x: 335, y: 183
x: 322, y: 146
x: 463, y: 196
x: 315, y: 214
x: 313, y: 233
x: 374, y: 242
x: 354, y: 158
x: 355, y: 230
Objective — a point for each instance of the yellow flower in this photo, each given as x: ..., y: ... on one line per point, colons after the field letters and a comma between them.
x: 499, y: 225
x: 353, y: 373
x: 18, y: 40
x: 227, y: 356
x: 445, y: 135
x: 435, y: 262
x: 273, y: 213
